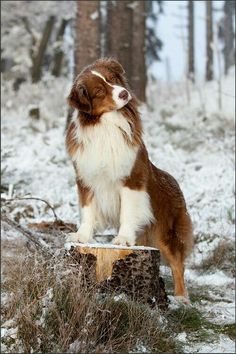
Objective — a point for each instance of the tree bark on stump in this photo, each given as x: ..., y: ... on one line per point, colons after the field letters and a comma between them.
x: 121, y: 270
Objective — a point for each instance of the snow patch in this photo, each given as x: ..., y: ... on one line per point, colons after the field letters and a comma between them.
x: 68, y: 246
x: 215, y: 279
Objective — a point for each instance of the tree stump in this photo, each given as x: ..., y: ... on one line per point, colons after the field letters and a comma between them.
x: 133, y: 271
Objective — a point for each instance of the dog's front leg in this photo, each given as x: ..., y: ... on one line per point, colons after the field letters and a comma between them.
x: 87, y: 215
x: 85, y: 231
x: 135, y: 213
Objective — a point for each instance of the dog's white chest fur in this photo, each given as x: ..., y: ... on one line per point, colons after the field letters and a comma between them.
x: 104, y: 161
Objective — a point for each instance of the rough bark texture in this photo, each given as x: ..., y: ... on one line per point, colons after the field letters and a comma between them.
x: 119, y: 33
x: 134, y: 272
x: 59, y: 54
x: 138, y: 75
x: 87, y: 42
x: 191, y: 64
x: 38, y: 58
x: 229, y: 51
x: 209, y: 49
x: 125, y: 40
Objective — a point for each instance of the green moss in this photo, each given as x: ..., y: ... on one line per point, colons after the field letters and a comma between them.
x: 196, y: 298
x: 167, y: 345
x: 185, y: 319
x: 197, y: 328
x: 202, y: 335
x: 227, y: 329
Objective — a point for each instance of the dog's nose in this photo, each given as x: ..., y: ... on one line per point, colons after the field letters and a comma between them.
x: 123, y: 95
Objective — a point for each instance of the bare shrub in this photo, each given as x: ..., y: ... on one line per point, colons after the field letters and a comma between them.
x: 222, y: 257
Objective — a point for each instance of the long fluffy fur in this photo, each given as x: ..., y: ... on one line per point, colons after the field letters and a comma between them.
x: 117, y: 184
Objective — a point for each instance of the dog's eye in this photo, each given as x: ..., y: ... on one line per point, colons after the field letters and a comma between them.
x: 112, y: 79
x: 98, y: 92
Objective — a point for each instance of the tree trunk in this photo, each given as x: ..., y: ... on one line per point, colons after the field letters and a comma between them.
x: 58, y: 55
x: 38, y: 58
x: 121, y: 270
x: 191, y: 64
x: 87, y: 42
x: 138, y: 72
x: 229, y: 57
x: 209, y: 49
x: 119, y: 33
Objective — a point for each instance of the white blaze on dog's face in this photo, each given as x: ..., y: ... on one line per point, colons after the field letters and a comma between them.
x: 120, y: 95
x: 99, y: 89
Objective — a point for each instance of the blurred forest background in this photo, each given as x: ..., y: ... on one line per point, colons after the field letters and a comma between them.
x: 61, y: 37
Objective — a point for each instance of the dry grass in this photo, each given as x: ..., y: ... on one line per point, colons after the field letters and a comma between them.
x: 222, y: 257
x: 53, y: 310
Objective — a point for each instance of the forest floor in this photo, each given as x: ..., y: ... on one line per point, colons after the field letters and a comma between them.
x: 192, y: 139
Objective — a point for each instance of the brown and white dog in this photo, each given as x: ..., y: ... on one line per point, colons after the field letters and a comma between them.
x: 118, y: 185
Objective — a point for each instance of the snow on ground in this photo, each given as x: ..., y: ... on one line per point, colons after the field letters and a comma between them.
x: 193, y: 140
x: 68, y: 246
x: 223, y: 345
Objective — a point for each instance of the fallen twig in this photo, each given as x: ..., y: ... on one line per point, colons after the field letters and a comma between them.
x: 28, y: 234
x: 33, y: 198
x: 57, y: 225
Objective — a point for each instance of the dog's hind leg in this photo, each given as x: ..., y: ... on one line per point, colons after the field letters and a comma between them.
x: 177, y: 267
x: 176, y: 246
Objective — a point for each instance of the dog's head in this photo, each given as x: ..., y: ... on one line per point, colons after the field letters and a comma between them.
x: 100, y: 88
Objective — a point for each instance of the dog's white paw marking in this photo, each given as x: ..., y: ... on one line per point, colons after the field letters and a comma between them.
x: 178, y: 301
x: 123, y: 241
x: 79, y: 237
x: 184, y: 300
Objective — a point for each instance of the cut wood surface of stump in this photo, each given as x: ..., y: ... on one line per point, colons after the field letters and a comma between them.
x: 133, y: 271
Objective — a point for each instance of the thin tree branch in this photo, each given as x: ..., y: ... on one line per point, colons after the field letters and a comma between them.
x: 33, y: 38
x: 33, y: 198
x: 28, y: 29
x: 28, y: 234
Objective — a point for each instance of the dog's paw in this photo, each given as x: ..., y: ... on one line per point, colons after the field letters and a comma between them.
x: 123, y: 241
x: 176, y: 302
x: 183, y: 300
x: 78, y: 237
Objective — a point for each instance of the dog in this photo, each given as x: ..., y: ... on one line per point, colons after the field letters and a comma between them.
x: 118, y: 185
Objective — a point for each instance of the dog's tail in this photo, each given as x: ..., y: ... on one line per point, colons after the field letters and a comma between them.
x: 183, y: 230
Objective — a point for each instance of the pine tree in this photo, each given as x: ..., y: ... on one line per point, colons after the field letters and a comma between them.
x: 154, y: 8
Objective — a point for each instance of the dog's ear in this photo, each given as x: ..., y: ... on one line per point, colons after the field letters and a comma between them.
x: 79, y: 99
x: 116, y: 66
